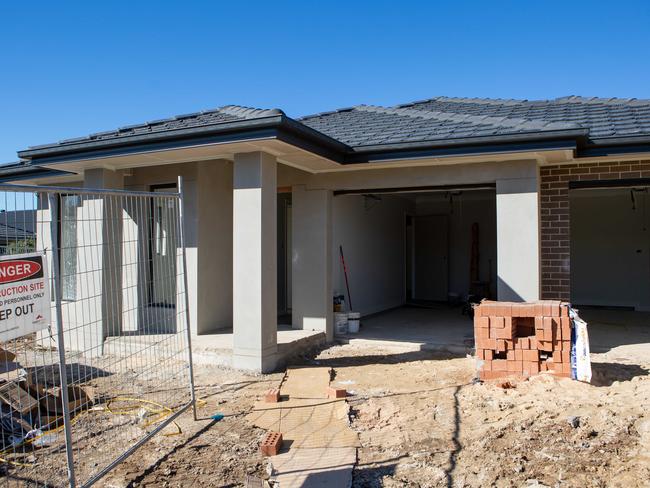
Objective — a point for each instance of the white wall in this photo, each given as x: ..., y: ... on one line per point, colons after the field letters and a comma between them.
x: 462, y: 211
x: 610, y: 248
x: 311, y: 260
x: 214, y: 248
x: 372, y: 235
x: 518, y: 239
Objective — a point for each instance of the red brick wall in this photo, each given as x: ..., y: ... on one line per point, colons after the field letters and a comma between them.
x: 554, y: 213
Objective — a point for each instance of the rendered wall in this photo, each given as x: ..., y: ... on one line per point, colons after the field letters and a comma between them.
x: 312, y: 260
x: 214, y: 274
x: 208, y: 235
x: 518, y: 239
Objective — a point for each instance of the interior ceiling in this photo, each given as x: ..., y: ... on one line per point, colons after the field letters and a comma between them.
x: 420, y: 196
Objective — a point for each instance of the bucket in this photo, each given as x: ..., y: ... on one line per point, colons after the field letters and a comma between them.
x: 340, y: 323
x: 353, y: 322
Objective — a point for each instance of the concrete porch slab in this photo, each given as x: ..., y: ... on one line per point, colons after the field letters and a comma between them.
x: 213, y: 349
x: 416, y: 329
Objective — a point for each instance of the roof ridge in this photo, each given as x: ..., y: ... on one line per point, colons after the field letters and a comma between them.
x: 486, y: 101
x: 601, y: 100
x: 476, y: 119
x: 248, y: 112
x: 328, y: 112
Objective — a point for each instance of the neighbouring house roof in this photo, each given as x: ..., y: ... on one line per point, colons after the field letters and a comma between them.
x: 10, y: 233
x: 20, y: 170
x: 441, y: 125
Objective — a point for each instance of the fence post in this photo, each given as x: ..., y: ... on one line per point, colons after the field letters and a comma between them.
x: 56, y: 275
x: 181, y: 203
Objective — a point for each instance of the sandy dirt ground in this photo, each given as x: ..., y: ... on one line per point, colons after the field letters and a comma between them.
x: 423, y: 422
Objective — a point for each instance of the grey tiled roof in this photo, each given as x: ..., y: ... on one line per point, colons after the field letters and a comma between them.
x: 440, y: 121
x: 450, y: 118
x: 604, y: 117
x: 369, y: 125
x: 228, y: 113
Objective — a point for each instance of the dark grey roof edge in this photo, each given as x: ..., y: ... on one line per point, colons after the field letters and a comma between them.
x: 86, y: 143
x: 275, y: 126
x: 462, y: 150
x: 518, y: 137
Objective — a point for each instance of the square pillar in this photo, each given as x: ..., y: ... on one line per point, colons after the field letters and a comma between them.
x: 312, y: 260
x: 518, y: 239
x: 255, y: 262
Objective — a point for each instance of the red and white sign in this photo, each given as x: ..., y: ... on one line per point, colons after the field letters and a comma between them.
x: 24, y: 295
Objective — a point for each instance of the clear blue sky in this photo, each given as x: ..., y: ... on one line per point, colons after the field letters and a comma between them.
x: 72, y: 68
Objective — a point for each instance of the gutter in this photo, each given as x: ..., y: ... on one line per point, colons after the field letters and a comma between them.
x: 614, y: 146
x: 468, y: 146
x: 278, y: 126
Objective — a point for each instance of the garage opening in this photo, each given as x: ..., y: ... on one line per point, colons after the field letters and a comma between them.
x: 610, y: 247
x: 414, y: 257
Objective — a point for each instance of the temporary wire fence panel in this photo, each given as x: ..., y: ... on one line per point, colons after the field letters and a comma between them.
x: 95, y: 353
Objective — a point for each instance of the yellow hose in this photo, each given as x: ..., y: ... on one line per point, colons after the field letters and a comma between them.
x: 160, y: 413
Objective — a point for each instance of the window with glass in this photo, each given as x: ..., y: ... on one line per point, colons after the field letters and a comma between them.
x: 68, y: 245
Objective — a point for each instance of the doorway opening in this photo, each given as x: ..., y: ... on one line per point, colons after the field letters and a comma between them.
x: 284, y: 237
x: 162, y: 249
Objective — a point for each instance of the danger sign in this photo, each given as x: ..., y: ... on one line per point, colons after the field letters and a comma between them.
x: 24, y: 295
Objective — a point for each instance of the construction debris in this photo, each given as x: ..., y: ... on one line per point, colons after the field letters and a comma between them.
x: 30, y: 408
x: 78, y: 397
x: 6, y: 356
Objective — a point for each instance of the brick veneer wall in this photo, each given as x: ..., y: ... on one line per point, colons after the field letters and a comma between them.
x: 555, y: 216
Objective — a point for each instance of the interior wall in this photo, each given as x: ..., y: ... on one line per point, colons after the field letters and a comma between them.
x: 372, y: 233
x: 610, y: 248
x: 462, y: 210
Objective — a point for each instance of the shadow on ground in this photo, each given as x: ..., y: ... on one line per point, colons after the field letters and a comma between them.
x: 77, y: 373
x: 352, y: 360
x: 605, y: 374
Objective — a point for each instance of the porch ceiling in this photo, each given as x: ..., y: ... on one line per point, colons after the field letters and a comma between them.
x: 285, y: 153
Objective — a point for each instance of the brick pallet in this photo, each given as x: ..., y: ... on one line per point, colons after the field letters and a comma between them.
x: 522, y: 339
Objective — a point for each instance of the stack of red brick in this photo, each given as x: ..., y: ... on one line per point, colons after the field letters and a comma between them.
x: 522, y: 339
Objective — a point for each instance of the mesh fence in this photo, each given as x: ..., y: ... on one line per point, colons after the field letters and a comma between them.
x: 94, y: 340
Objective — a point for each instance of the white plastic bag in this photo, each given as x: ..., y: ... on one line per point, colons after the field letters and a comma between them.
x: 580, y: 362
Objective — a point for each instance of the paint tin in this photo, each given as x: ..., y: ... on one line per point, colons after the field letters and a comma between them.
x: 353, y: 322
x: 340, y: 323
